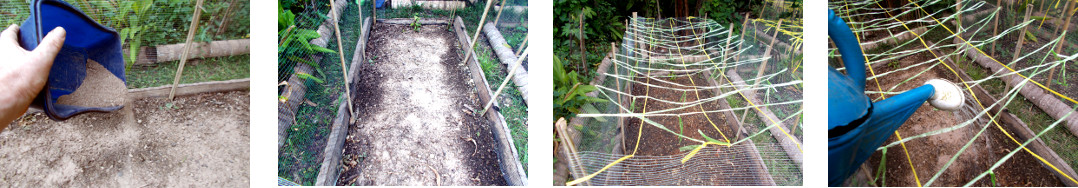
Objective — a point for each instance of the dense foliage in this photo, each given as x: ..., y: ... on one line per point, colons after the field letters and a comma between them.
x: 569, y: 92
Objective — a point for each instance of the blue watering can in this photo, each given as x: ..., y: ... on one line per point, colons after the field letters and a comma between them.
x: 856, y: 126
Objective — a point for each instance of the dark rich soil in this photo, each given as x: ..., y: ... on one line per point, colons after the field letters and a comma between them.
x: 931, y: 153
x: 658, y: 142
x: 193, y: 141
x: 416, y: 115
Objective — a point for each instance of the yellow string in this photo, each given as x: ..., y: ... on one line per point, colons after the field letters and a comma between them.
x: 969, y: 88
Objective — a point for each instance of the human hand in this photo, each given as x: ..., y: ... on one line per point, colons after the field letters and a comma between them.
x: 23, y: 73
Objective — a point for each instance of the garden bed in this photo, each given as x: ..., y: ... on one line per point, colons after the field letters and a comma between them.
x: 658, y: 142
x: 418, y: 120
x: 930, y: 154
x: 198, y: 140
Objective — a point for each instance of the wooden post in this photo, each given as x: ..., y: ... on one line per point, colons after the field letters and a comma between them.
x: 1021, y: 35
x: 340, y: 53
x: 995, y: 24
x: 187, y: 47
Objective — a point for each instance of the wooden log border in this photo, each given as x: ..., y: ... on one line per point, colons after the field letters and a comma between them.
x: 512, y: 169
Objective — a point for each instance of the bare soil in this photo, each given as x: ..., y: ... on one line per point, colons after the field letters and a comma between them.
x: 197, y: 141
x: 931, y: 153
x: 417, y: 121
x: 658, y: 142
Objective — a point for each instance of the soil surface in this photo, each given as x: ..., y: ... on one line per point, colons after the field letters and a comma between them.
x: 417, y: 121
x: 658, y: 142
x: 930, y: 154
x: 99, y: 89
x: 197, y: 141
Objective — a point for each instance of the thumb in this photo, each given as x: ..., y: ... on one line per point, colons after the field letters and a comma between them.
x: 45, y: 52
x: 50, y: 45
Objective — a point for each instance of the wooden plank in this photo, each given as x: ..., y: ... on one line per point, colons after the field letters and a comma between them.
x: 331, y: 155
x: 788, y: 144
x: 512, y: 170
x: 190, y: 89
x: 329, y: 171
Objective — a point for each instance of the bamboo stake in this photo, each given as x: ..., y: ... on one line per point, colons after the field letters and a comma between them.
x: 227, y: 17
x: 1022, y: 35
x: 478, y: 29
x: 995, y: 24
x: 763, y: 66
x: 744, y: 27
x: 340, y: 53
x: 583, y: 50
x: 374, y: 13
x: 1059, y: 47
x: 508, y: 77
x: 499, y: 16
x: 521, y: 48
x: 186, y: 47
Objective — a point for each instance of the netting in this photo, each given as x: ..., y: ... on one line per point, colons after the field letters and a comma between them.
x: 678, y: 112
x: 908, y: 42
x: 512, y: 23
x: 316, y: 42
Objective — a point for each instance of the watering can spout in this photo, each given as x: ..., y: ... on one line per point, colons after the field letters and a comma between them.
x: 86, y: 41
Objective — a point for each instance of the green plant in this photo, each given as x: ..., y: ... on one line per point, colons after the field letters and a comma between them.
x: 295, y: 45
x: 569, y: 92
x: 415, y: 22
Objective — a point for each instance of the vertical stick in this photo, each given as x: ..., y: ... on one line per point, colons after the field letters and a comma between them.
x: 374, y: 13
x: 744, y: 28
x: 1022, y: 35
x: 1059, y: 47
x: 478, y: 29
x: 1064, y: 11
x: 583, y: 51
x: 958, y: 19
x: 186, y: 48
x: 499, y: 16
x: 763, y: 66
x: 227, y: 17
x: 340, y: 53
x: 995, y: 24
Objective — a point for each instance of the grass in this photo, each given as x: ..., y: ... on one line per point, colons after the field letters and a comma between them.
x: 207, y: 69
x: 512, y: 104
